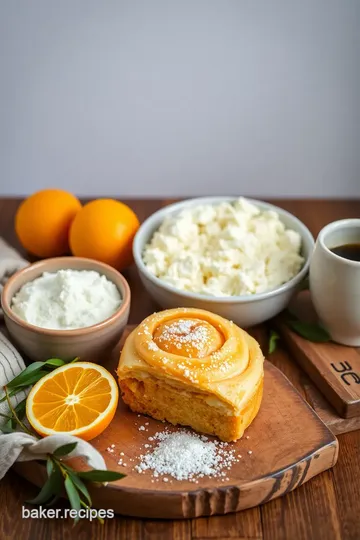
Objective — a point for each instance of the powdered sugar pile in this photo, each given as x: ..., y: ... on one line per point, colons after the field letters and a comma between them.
x: 184, y: 455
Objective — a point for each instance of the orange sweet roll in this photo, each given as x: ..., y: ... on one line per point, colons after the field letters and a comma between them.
x: 188, y: 353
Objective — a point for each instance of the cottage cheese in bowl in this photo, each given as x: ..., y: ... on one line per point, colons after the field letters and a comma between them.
x: 67, y: 300
x: 224, y: 249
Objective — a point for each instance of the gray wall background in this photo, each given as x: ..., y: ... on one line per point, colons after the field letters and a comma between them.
x: 166, y: 98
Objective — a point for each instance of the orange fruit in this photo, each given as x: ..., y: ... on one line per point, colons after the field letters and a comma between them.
x: 104, y: 230
x: 43, y: 220
x: 79, y: 399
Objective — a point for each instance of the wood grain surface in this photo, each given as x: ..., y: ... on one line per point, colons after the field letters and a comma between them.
x: 288, y: 445
x: 328, y: 506
x: 334, y: 368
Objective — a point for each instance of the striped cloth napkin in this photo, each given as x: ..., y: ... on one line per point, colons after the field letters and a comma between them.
x: 11, y: 362
x: 20, y: 446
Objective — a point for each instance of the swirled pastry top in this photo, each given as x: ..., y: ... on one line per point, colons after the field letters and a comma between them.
x: 197, y: 349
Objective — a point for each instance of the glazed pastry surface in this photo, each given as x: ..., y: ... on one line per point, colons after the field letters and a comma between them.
x: 191, y: 357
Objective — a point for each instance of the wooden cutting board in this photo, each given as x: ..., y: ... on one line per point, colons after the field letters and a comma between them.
x: 289, y: 445
x: 334, y: 369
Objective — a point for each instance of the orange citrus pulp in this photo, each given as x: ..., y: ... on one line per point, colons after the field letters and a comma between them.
x: 79, y: 399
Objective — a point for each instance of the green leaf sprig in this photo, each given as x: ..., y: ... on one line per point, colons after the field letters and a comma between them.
x: 14, y: 417
x: 32, y: 374
x: 62, y: 479
x: 273, y: 339
x: 311, y: 331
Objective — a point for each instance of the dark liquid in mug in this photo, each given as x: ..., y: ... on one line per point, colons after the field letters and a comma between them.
x: 348, y: 251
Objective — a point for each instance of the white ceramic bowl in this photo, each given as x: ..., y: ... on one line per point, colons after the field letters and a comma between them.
x: 243, y: 310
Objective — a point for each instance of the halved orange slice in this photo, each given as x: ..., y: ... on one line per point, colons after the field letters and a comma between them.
x: 79, y: 399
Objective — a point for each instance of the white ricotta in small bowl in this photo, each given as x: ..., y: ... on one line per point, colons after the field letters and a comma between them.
x: 67, y: 300
x: 226, y: 249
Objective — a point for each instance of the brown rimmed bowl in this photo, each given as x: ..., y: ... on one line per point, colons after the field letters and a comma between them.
x: 89, y: 343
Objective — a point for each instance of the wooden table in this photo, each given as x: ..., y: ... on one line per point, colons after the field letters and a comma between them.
x: 327, y: 507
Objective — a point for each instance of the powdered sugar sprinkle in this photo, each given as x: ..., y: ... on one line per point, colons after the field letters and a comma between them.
x: 184, y: 455
x: 184, y: 332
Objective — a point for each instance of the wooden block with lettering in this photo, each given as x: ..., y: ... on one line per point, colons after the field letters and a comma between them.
x: 335, y: 369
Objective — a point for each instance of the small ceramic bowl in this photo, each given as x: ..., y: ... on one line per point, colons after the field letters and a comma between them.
x: 89, y: 343
x: 243, y: 310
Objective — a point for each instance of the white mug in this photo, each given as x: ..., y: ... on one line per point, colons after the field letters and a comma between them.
x: 335, y: 282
